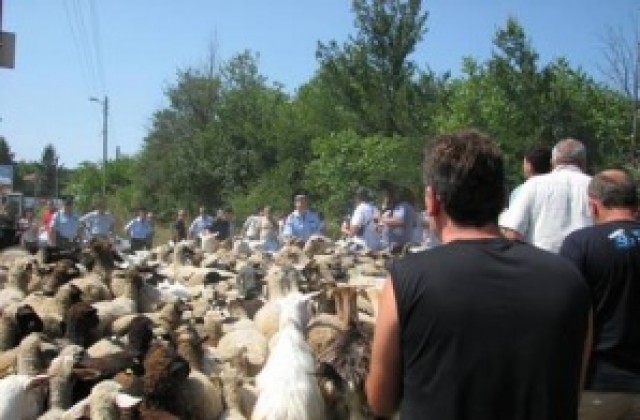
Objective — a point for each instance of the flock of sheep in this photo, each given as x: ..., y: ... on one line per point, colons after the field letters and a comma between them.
x: 221, y: 330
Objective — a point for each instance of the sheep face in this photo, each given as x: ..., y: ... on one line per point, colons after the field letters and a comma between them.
x: 62, y: 273
x: 20, y: 272
x: 164, y: 371
x: 27, y: 321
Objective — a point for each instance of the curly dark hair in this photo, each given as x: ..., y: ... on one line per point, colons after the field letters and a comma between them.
x: 466, y: 171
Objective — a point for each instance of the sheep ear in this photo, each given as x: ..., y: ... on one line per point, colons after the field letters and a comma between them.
x: 126, y: 401
x: 37, y: 381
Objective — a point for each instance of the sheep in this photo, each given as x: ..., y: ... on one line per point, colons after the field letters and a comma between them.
x: 14, y: 327
x: 22, y: 397
x: 245, y: 336
x: 93, y: 288
x: 139, y: 338
x: 20, y: 400
x: 280, y: 281
x: 232, y: 395
x: 164, y: 372
x: 27, y: 358
x: 189, y: 346
x: 80, y: 320
x: 126, y: 304
x: 54, y: 276
x: 287, y: 387
x: 17, y: 281
x: 167, y: 318
x: 63, y: 374
x: 105, y: 402
x: 169, y: 384
x: 52, y: 310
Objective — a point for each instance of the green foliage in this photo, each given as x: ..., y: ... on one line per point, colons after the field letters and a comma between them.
x: 48, y: 171
x: 6, y: 156
x: 371, y: 76
x: 344, y: 161
x: 520, y: 104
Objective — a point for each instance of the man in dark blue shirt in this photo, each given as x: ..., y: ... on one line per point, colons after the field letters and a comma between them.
x: 608, y: 255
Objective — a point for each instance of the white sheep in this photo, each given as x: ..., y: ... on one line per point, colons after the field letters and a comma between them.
x: 22, y: 397
x: 17, y: 281
x: 287, y: 386
x: 104, y: 403
x: 52, y: 310
x: 109, y: 311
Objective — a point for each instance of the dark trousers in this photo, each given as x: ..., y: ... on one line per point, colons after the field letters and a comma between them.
x: 138, y: 244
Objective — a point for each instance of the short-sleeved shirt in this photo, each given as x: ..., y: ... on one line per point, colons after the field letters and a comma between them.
x: 363, y: 218
x: 490, y: 329
x: 302, y: 225
x: 98, y: 224
x: 200, y: 224
x: 608, y: 255
x: 252, y: 227
x: 402, y: 234
x: 549, y: 207
x: 66, y: 224
x: 139, y: 229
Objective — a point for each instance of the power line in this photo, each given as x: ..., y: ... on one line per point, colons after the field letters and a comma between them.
x: 97, y: 44
x: 84, y: 67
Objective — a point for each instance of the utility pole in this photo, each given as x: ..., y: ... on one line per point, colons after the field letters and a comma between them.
x: 636, y: 83
x: 105, y: 136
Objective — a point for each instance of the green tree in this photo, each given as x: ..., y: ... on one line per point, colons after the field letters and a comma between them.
x: 6, y: 156
x: 49, y: 171
x: 371, y: 75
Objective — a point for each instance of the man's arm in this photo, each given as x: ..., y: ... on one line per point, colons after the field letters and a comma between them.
x: 514, y: 235
x: 395, y: 217
x: 287, y: 229
x: 383, y: 382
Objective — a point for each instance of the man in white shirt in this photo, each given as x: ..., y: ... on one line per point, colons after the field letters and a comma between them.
x: 200, y: 224
x: 362, y: 226
x: 98, y: 222
x: 548, y: 207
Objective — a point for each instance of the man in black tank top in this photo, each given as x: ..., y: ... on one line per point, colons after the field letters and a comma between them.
x: 480, y: 328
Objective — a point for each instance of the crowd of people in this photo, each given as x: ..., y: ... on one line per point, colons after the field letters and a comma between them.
x: 519, y: 309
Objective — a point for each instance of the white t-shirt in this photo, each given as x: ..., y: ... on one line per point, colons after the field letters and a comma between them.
x: 363, y: 216
x: 549, y: 207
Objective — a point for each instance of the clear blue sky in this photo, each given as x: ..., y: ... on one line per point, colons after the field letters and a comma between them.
x: 141, y: 44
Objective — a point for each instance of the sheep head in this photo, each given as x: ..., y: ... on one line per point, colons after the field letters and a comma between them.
x: 140, y: 334
x: 20, y: 272
x: 27, y: 321
x: 68, y: 294
x: 164, y: 372
x: 80, y: 320
x: 63, y: 271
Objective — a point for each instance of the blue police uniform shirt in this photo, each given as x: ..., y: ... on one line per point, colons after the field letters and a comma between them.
x: 66, y: 224
x: 302, y: 224
x: 138, y: 228
x: 98, y: 224
x: 199, y: 224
